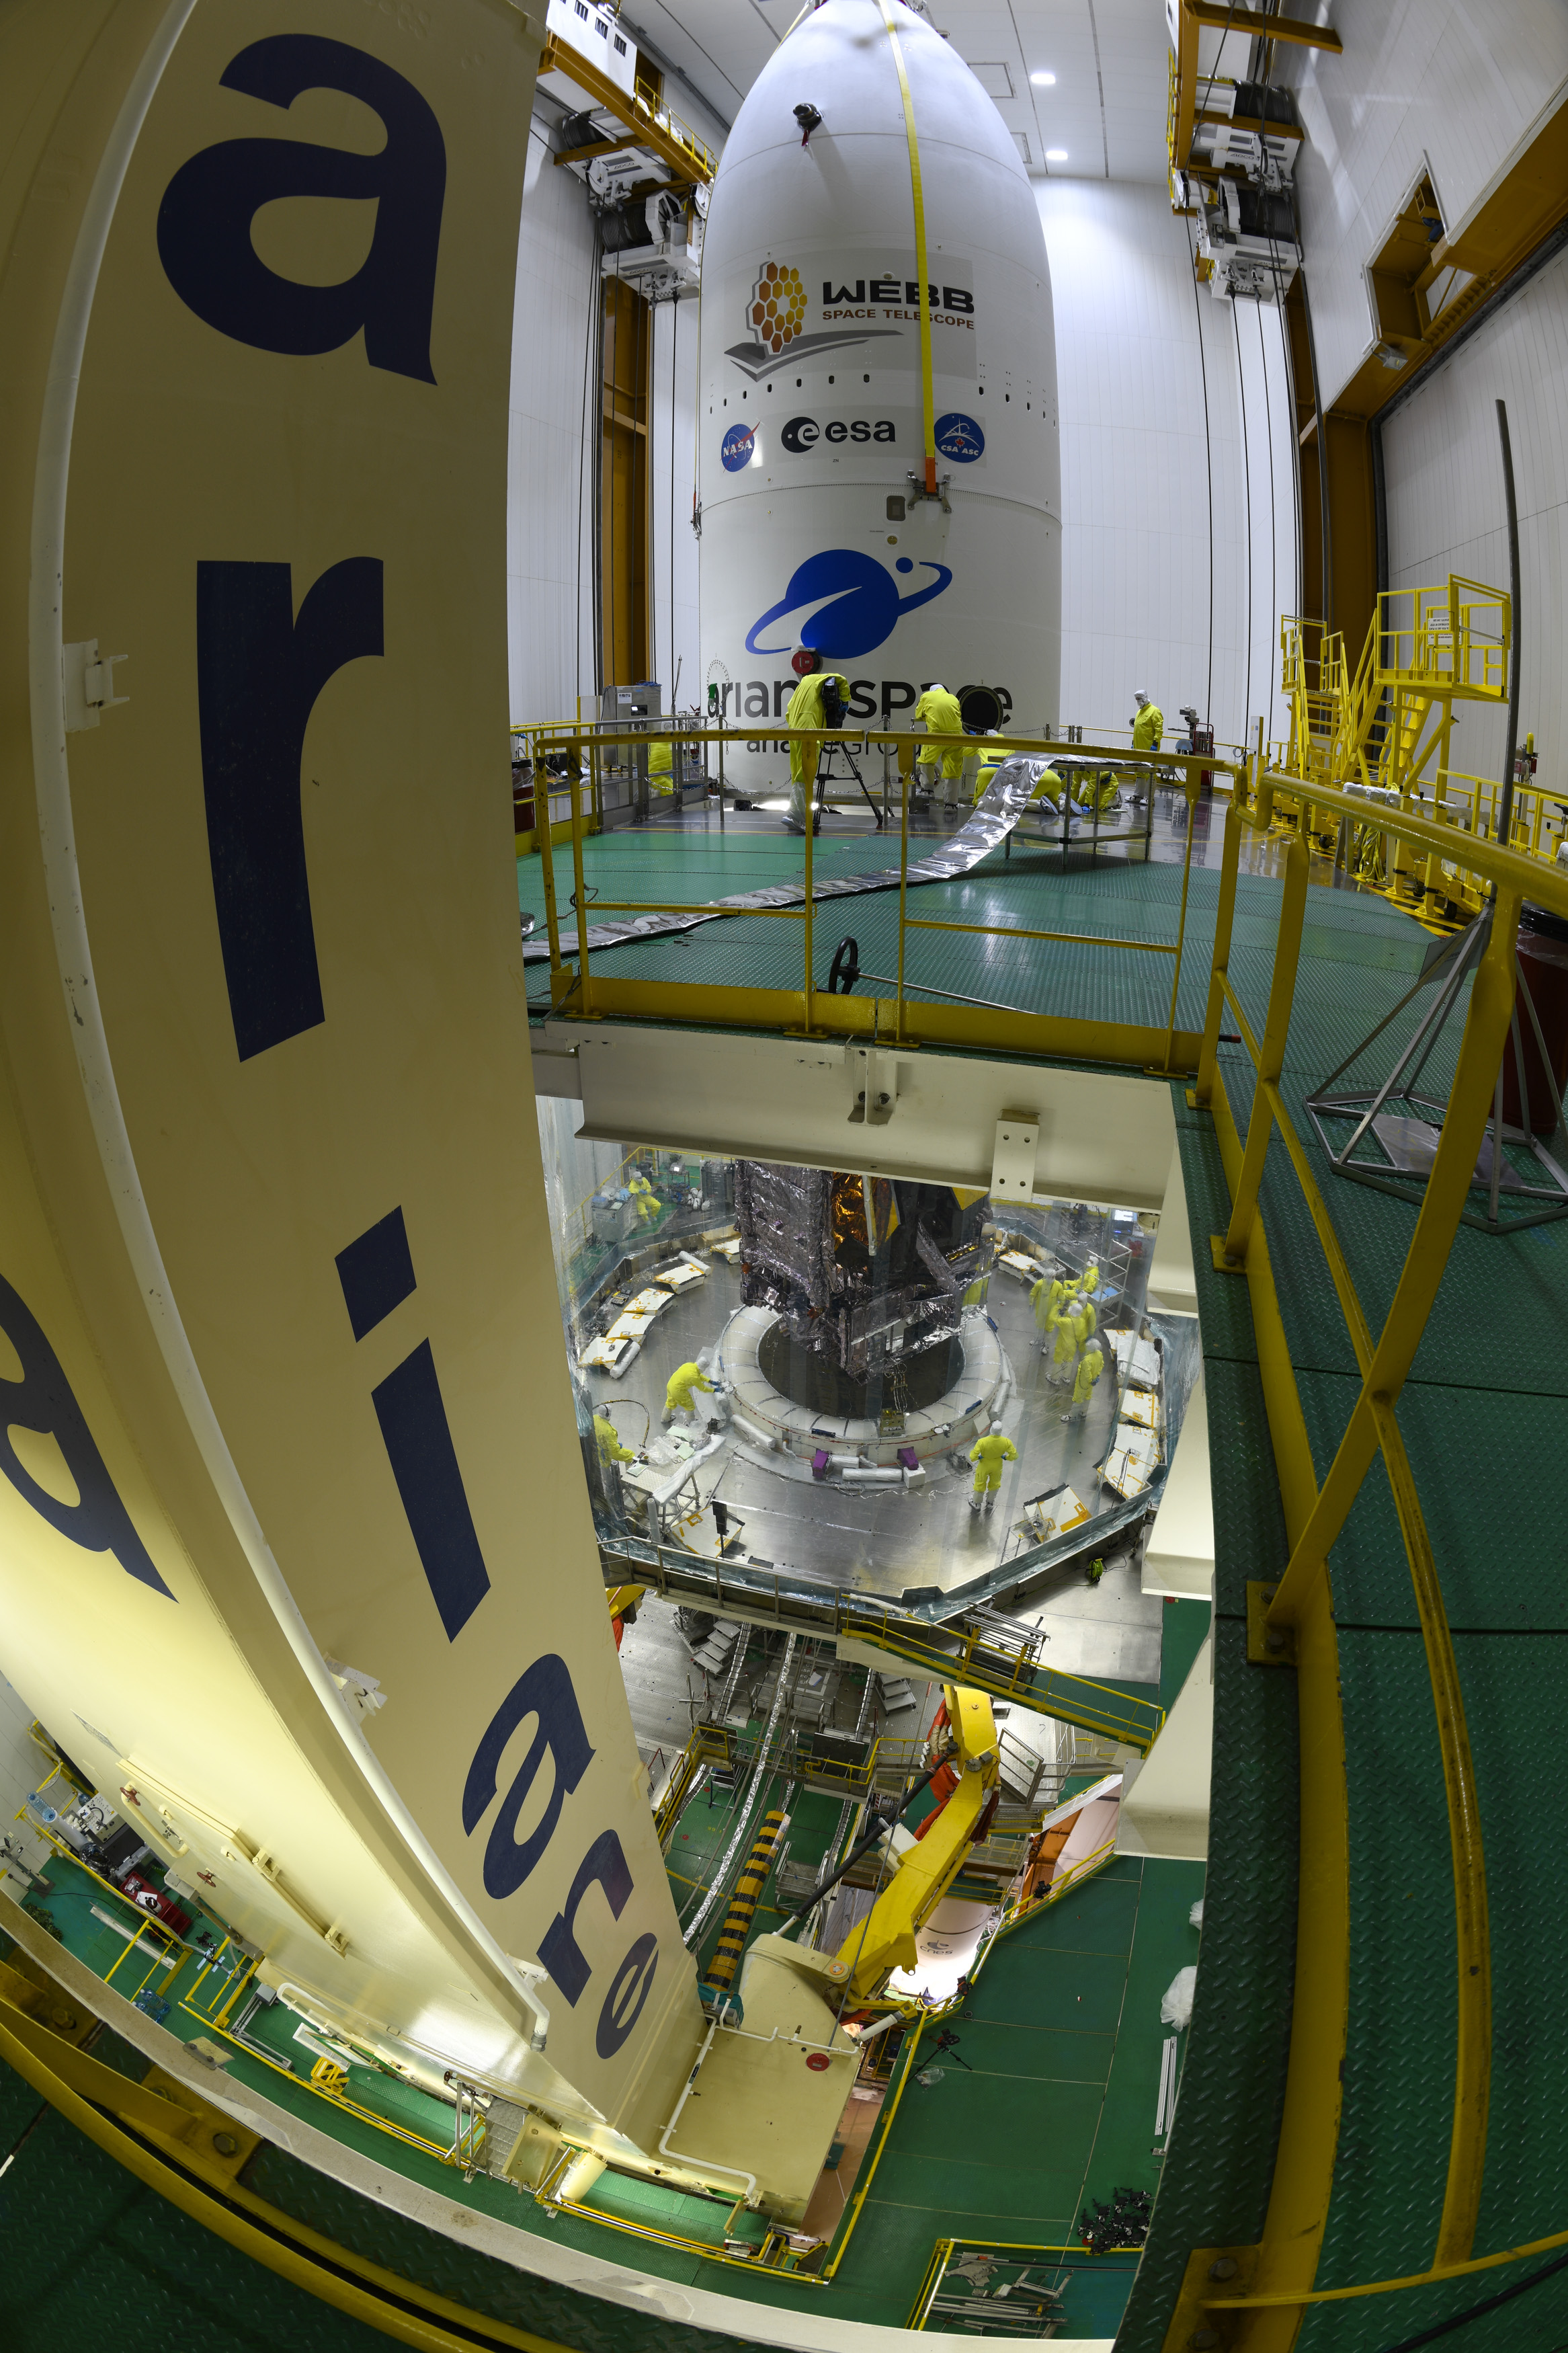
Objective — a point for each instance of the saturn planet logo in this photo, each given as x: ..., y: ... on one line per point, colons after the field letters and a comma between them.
x: 777, y: 306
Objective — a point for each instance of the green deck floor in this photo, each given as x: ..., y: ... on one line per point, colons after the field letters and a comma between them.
x: 1348, y: 933
x: 1485, y: 1418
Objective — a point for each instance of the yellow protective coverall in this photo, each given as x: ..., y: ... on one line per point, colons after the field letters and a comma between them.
x: 1044, y: 1297
x: 1073, y: 1330
x: 610, y: 1447
x: 945, y: 721
x: 988, y: 1454
x: 1049, y: 790
x: 1084, y: 1310
x: 1090, y: 1366
x: 679, y: 1387
x: 978, y: 1292
x: 990, y: 760
x: 660, y: 769
x: 1149, y: 728
x: 648, y: 1204
x: 1091, y: 1276
x: 805, y: 710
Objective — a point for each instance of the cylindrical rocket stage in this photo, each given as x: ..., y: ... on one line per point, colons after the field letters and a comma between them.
x: 812, y: 441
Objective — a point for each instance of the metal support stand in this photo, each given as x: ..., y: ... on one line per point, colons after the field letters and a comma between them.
x: 1406, y: 1127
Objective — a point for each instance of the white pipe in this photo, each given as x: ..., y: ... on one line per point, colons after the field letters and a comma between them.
x: 749, y: 1429
x: 698, y: 2164
x: 864, y: 2034
x: 875, y: 1478
x: 164, y: 1960
x: 847, y: 1461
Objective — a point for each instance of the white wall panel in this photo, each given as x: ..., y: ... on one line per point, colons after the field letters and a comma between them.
x: 1155, y: 462
x: 550, y: 629
x: 1449, y: 85
x: 1443, y: 475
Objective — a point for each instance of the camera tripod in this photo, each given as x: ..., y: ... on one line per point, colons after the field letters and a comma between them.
x: 825, y: 777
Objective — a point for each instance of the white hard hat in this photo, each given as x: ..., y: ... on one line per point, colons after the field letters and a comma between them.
x: 1139, y: 695
x: 937, y: 687
x: 995, y: 1427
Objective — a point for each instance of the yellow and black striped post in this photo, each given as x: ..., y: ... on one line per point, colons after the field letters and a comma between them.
x: 744, y: 1903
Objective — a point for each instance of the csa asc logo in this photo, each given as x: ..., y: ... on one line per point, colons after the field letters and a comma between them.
x: 960, y: 438
x: 736, y: 448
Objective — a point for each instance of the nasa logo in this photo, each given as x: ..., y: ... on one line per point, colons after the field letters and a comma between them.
x: 804, y: 433
x: 854, y: 600
x: 736, y: 448
x: 960, y: 438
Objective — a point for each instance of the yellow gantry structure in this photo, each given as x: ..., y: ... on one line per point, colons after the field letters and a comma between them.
x: 885, y: 1939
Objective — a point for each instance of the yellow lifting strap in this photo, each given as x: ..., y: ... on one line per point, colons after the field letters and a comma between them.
x: 744, y: 1903
x: 928, y: 404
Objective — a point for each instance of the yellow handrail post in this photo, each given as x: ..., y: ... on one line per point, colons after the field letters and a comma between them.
x: 547, y: 864
x: 1472, y: 2067
x: 581, y: 896
x: 903, y: 887
x: 1469, y: 1102
x: 1225, y: 920
x: 806, y: 1003
x: 1271, y: 1054
x: 1190, y: 791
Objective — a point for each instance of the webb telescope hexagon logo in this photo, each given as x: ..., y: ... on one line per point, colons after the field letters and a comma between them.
x: 777, y: 308
x: 775, y: 316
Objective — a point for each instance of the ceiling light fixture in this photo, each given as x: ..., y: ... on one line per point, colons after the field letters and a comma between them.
x: 1043, y: 81
x: 1055, y: 154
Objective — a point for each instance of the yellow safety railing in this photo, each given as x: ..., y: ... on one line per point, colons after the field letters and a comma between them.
x: 902, y: 1017
x: 1291, y: 1620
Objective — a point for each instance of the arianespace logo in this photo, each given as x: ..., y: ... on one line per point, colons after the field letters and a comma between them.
x: 842, y: 603
x: 861, y: 311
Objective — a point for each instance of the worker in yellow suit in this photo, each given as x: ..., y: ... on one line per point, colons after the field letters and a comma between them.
x: 988, y: 1454
x: 805, y: 710
x: 649, y: 1208
x: 987, y: 761
x: 1148, y: 724
x: 1090, y: 1366
x: 1091, y: 1276
x: 1084, y: 1312
x: 679, y: 1389
x: 944, y: 737
x: 661, y: 768
x: 1069, y: 1328
x: 609, y: 1437
x: 1049, y: 790
x: 1044, y: 1298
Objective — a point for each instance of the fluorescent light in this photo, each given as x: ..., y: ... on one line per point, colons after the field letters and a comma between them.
x: 1055, y: 154
x: 1043, y: 81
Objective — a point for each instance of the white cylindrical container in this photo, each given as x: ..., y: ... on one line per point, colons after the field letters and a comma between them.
x: 811, y: 421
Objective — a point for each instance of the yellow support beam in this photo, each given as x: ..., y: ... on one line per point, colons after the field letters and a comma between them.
x: 885, y: 1939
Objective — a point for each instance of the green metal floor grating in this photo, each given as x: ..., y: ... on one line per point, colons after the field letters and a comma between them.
x: 1485, y: 1418
x: 1061, y: 2110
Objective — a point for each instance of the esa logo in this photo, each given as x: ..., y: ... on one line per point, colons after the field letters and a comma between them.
x: 803, y: 433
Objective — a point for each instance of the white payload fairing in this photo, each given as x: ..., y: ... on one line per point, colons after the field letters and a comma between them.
x: 815, y: 419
